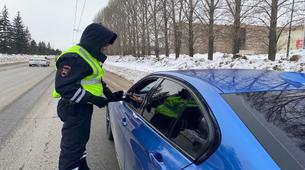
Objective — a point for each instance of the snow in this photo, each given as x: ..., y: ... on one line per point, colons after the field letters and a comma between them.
x: 133, y: 68
x: 16, y: 58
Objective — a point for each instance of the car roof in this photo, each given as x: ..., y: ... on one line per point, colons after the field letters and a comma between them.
x: 245, y: 80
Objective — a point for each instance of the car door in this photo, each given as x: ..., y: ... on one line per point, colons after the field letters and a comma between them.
x: 147, y: 150
x: 120, y: 122
x: 116, y: 114
x: 189, y: 135
x: 127, y: 121
x: 158, y: 143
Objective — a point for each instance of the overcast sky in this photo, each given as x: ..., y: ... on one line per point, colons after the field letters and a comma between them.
x: 52, y: 20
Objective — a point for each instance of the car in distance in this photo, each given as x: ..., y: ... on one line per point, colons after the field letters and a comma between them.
x: 39, y: 61
x: 211, y: 119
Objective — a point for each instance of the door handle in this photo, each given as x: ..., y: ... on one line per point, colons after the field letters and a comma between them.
x: 157, y: 160
x: 124, y: 121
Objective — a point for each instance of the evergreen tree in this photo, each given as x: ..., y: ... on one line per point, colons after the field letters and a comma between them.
x: 28, y: 40
x: 16, y: 38
x: 33, y: 47
x: 49, y: 48
x: 19, y: 35
x: 57, y: 52
x: 42, y: 48
x: 5, y: 32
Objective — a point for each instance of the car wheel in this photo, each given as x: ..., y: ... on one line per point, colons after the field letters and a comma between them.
x: 108, y: 126
x: 30, y: 65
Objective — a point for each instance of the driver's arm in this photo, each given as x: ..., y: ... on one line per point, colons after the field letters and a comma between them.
x: 135, y: 97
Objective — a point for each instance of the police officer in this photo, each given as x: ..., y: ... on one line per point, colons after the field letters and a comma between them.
x: 170, y: 110
x: 79, y: 85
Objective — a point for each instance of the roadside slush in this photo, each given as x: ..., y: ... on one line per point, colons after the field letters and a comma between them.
x: 34, y: 142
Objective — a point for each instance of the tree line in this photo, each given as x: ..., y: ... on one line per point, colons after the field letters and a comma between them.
x: 15, y: 37
x: 148, y: 26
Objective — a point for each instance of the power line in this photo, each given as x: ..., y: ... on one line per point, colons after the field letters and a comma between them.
x: 81, y: 15
x: 74, y: 24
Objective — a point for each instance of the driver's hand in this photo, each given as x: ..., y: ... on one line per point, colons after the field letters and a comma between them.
x: 136, y: 98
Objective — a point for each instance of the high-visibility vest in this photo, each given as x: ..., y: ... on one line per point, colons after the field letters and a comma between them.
x: 91, y: 83
x: 173, y: 106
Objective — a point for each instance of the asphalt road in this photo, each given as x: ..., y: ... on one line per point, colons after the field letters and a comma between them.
x: 30, y: 129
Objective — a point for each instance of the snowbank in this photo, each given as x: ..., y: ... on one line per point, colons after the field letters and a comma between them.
x: 16, y: 58
x: 133, y: 68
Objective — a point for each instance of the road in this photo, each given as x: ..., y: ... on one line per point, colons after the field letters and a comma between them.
x: 30, y: 129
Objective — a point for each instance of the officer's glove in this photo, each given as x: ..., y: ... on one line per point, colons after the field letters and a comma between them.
x: 118, y: 95
x: 99, y: 101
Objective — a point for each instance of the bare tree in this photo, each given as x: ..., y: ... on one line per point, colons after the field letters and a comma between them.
x: 239, y: 11
x: 207, y: 16
x: 155, y: 9
x: 274, y: 16
x: 175, y: 28
x: 180, y: 21
x: 189, y: 13
x: 273, y: 29
x: 290, y: 25
x: 147, y: 21
x: 143, y: 29
x: 297, y: 17
x: 165, y: 20
x: 177, y: 24
x: 146, y: 26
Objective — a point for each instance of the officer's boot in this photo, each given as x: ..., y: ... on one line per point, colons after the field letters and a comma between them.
x: 83, y: 164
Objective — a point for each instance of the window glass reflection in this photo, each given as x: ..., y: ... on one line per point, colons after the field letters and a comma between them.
x: 280, y: 113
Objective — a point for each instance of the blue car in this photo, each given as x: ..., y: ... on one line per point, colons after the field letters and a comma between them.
x: 211, y: 119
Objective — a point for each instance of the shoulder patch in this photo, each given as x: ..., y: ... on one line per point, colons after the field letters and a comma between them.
x: 65, y: 70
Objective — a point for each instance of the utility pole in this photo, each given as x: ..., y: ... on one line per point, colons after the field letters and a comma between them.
x: 304, y: 36
x: 289, y: 34
x: 74, y: 23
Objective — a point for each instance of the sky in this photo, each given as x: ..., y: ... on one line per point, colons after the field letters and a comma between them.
x: 53, y: 20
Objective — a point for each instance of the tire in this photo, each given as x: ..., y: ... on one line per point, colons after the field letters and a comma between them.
x: 30, y: 65
x: 108, y: 126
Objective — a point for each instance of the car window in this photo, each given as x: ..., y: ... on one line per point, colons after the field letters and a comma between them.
x: 173, y: 111
x: 277, y: 119
x: 137, y: 95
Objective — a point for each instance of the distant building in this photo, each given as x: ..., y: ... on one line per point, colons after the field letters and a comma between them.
x: 296, y: 40
x: 254, y: 39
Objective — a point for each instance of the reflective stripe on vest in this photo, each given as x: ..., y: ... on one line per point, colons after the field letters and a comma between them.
x: 91, y: 83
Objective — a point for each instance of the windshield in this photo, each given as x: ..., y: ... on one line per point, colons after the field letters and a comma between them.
x: 277, y: 119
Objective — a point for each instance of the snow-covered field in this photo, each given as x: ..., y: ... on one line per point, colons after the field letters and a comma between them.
x: 12, y: 58
x: 133, y: 68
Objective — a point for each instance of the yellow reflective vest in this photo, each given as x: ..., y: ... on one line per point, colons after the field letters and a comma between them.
x: 91, y: 83
x: 173, y: 106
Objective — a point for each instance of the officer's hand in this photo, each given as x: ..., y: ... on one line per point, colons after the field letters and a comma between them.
x: 99, y: 101
x: 118, y: 95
